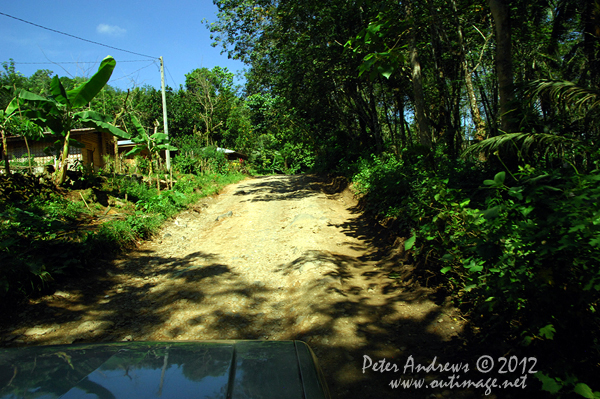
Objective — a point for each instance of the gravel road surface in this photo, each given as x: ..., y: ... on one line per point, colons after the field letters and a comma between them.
x: 269, y: 258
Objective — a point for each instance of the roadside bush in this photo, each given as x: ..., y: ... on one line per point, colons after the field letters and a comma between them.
x: 384, y: 182
x: 212, y: 161
x: 25, y: 161
x: 201, y: 160
x: 195, y: 158
x: 521, y: 257
x: 531, y: 266
x: 136, y: 190
x: 186, y: 164
x: 29, y: 237
x: 41, y: 236
x: 331, y: 156
x: 187, y: 184
x: 142, y: 164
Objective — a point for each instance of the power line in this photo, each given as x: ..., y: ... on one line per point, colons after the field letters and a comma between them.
x: 76, y: 37
x: 123, y: 77
x: 169, y: 72
x: 152, y: 62
x: 71, y: 62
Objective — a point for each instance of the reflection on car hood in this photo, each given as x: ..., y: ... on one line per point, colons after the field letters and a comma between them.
x: 190, y: 369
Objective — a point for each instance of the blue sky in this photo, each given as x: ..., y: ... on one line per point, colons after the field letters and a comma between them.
x: 173, y: 30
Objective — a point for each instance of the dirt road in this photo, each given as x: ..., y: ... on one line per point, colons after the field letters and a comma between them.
x: 272, y: 258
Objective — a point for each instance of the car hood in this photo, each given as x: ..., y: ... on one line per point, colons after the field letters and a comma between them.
x: 190, y: 369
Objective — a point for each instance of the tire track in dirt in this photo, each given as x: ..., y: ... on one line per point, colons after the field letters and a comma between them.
x: 277, y: 258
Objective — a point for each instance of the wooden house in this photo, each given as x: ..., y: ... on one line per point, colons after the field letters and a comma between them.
x: 96, y: 144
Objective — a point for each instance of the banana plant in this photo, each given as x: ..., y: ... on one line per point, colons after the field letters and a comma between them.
x: 10, y: 121
x: 153, y: 143
x: 5, y: 118
x: 58, y: 112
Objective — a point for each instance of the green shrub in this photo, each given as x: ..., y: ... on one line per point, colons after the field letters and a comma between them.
x: 522, y: 257
x: 213, y: 161
x: 34, y: 244
x: 23, y: 161
x: 383, y: 181
x: 533, y: 266
x: 39, y: 238
x: 201, y: 160
x: 186, y: 184
x: 142, y: 164
x: 186, y: 164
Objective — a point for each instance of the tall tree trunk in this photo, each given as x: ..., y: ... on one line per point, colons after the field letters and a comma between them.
x: 475, y: 114
x: 457, y: 133
x: 490, y: 109
x: 422, y: 124
x: 501, y: 15
x: 591, y: 42
x: 5, y: 152
x: 368, y: 119
x: 375, y: 126
x: 393, y: 138
x: 401, y: 121
x: 62, y: 173
x: 364, y: 136
x: 444, y: 120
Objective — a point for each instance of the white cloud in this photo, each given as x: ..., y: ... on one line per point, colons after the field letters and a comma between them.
x: 110, y: 30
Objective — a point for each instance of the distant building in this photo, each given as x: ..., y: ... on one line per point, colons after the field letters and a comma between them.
x: 96, y: 144
x: 233, y: 155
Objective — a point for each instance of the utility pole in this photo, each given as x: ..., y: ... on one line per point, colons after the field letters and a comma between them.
x: 164, y: 101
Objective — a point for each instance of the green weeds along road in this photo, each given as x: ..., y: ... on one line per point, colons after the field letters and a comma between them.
x: 49, y: 233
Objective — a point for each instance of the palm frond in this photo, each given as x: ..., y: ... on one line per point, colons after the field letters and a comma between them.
x: 523, y: 143
x: 566, y: 94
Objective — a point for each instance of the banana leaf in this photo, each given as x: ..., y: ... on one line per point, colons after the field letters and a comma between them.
x: 100, y: 122
x: 83, y: 94
x: 58, y: 91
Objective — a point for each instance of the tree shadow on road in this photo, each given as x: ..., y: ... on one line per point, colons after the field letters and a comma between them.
x: 292, y: 188
x: 357, y: 310
x: 350, y: 310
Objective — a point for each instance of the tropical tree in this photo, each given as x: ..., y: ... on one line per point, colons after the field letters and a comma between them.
x: 212, y: 94
x: 39, y: 82
x: 5, y: 119
x: 58, y: 114
x: 10, y: 78
x: 570, y: 134
x: 296, y: 52
x: 12, y: 123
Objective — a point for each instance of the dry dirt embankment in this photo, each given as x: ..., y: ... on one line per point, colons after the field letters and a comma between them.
x: 278, y: 257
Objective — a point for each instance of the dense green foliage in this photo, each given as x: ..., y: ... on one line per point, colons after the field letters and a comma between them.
x: 522, y: 256
x: 394, y: 93
x: 45, y: 235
